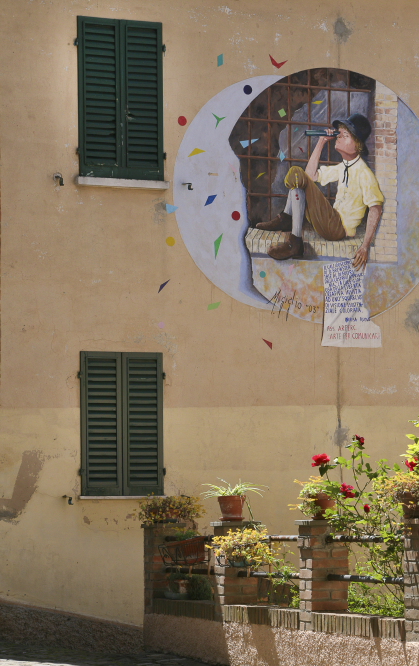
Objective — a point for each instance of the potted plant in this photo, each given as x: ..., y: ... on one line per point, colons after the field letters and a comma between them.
x: 403, y: 488
x: 232, y: 498
x: 188, y: 586
x: 184, y: 547
x: 169, y: 509
x: 317, y: 497
x: 243, y: 548
x: 177, y: 586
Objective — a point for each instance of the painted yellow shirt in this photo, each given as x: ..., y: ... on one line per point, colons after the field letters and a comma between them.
x: 353, y: 198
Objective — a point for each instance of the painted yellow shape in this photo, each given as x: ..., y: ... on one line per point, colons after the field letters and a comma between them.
x: 196, y: 151
x: 170, y: 241
x: 261, y: 174
x: 320, y: 102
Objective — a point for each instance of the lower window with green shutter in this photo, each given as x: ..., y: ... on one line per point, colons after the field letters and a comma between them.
x: 121, y: 423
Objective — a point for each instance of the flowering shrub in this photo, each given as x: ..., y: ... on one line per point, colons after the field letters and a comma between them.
x: 249, y: 546
x: 171, y: 508
x: 370, y: 506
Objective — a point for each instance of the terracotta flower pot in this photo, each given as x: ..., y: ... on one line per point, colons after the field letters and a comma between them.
x: 410, y: 506
x: 231, y: 507
x: 323, y: 502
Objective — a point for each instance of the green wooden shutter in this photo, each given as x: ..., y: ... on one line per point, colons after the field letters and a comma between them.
x: 99, y: 96
x: 101, y: 423
x: 120, y: 71
x: 142, y: 377
x: 142, y: 99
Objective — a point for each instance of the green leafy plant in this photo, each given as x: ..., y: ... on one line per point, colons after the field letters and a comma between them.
x: 281, y: 570
x: 199, y: 588
x: 174, y: 577
x: 309, y: 491
x: 182, y: 535
x: 365, y: 508
x: 241, y: 488
x: 170, y: 508
x: 248, y: 546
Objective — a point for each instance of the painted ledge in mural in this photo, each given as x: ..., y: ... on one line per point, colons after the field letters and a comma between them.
x: 286, y: 203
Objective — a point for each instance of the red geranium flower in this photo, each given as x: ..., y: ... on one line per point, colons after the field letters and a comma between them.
x: 360, y: 440
x: 410, y: 464
x: 366, y: 508
x: 321, y: 459
x: 347, y: 490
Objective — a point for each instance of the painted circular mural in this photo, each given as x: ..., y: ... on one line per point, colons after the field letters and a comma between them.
x: 236, y: 154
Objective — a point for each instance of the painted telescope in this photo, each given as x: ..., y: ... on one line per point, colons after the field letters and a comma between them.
x: 320, y: 133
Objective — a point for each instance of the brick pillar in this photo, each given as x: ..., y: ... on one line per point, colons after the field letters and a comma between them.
x: 155, y: 577
x: 411, y: 580
x: 229, y: 588
x: 318, y: 559
x: 385, y: 148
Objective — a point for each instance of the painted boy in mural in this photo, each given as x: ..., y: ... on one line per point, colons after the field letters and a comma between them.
x: 357, y: 189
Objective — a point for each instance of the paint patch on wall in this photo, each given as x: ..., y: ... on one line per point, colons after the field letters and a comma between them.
x: 341, y: 30
x: 25, y: 486
x: 412, y: 317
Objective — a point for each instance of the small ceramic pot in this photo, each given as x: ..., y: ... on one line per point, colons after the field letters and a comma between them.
x: 323, y: 502
x: 231, y: 507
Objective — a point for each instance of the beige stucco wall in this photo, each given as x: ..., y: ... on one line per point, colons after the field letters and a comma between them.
x: 81, y: 269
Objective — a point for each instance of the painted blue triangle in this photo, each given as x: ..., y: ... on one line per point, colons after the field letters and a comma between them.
x: 210, y: 199
x: 171, y: 209
x: 246, y: 143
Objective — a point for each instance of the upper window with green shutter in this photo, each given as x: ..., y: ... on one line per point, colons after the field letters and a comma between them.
x: 120, y: 98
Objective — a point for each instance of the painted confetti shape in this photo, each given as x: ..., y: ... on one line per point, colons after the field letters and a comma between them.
x: 163, y: 284
x: 246, y: 143
x: 301, y: 149
x: 232, y: 167
x: 219, y: 60
x: 277, y: 64
x: 281, y: 156
x: 196, y: 151
x: 261, y: 174
x: 268, y: 343
x: 218, y: 119
x: 319, y: 102
x: 170, y: 208
x: 217, y: 243
x: 210, y: 199
x: 213, y: 306
x: 282, y: 112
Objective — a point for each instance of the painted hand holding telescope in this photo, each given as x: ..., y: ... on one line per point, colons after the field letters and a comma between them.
x: 321, y: 132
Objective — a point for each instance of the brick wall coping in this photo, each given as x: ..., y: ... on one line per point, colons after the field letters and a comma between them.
x: 346, y: 624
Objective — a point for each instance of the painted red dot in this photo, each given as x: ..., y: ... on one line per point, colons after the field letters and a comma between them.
x: 182, y: 120
x: 235, y: 215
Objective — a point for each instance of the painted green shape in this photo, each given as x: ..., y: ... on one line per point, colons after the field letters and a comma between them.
x: 219, y: 60
x: 218, y: 119
x: 261, y: 174
x: 282, y: 112
x: 217, y: 245
x: 196, y: 151
x: 213, y: 306
x: 262, y: 274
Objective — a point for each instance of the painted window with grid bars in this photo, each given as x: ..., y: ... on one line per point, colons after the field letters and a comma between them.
x: 270, y: 137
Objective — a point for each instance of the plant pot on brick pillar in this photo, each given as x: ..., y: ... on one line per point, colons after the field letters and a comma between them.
x: 229, y: 588
x: 318, y: 558
x: 232, y: 498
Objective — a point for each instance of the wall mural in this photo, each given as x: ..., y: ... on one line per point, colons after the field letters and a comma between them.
x: 257, y: 226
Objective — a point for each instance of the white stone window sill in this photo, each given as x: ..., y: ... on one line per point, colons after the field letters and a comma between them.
x: 115, y: 497
x: 123, y: 182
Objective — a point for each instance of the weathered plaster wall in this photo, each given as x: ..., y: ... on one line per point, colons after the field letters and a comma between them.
x: 81, y: 269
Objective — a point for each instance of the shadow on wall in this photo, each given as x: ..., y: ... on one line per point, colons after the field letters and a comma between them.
x: 236, y: 644
x: 25, y: 486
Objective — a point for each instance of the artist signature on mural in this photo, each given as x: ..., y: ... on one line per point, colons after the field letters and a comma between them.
x: 281, y: 302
